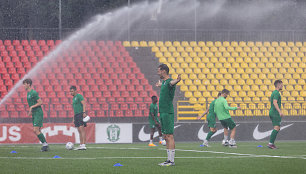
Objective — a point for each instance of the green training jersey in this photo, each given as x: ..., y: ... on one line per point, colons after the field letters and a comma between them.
x: 221, y: 108
x: 212, y: 114
x: 76, y: 103
x: 154, y: 111
x: 32, y: 97
x: 275, y: 96
x: 166, y: 97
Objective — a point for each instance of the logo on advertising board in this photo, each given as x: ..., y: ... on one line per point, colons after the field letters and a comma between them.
x: 113, y: 133
x: 54, y: 131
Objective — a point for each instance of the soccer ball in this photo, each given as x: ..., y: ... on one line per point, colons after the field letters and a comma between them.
x: 163, y: 142
x: 69, y: 146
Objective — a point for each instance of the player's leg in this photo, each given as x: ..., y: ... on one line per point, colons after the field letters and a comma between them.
x: 232, y: 127
x: 159, y: 133
x: 212, y: 131
x: 37, y: 124
x: 78, y: 122
x: 225, y: 139
x: 167, y: 121
x: 152, y: 136
x: 276, y: 121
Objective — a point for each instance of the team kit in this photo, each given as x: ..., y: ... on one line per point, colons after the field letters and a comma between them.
x: 164, y: 124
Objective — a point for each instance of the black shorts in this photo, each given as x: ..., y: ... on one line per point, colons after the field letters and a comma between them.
x: 78, y: 120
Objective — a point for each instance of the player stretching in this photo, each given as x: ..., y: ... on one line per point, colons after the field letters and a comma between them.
x: 211, y: 119
x: 275, y: 112
x: 221, y: 109
x: 36, y: 111
x: 79, y: 107
x: 154, y: 121
x: 167, y: 91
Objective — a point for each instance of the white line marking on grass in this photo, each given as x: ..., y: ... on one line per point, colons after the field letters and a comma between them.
x: 240, y: 154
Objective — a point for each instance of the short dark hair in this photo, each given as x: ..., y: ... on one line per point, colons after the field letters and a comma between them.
x: 219, y: 94
x: 153, y: 97
x: 73, y: 87
x: 27, y: 81
x: 277, y: 82
x: 225, y: 91
x: 164, y: 67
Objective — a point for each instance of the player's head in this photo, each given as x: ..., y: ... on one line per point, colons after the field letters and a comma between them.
x: 278, y: 84
x: 73, y: 90
x: 219, y: 94
x: 27, y: 83
x: 154, y: 99
x: 163, y: 71
x: 225, y: 93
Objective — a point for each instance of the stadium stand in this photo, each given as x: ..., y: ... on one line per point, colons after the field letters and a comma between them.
x: 103, y: 71
x: 248, y: 69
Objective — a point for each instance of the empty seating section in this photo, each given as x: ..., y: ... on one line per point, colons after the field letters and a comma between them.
x: 248, y: 69
x: 103, y: 71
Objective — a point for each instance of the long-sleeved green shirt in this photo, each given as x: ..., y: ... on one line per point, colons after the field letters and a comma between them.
x: 221, y: 108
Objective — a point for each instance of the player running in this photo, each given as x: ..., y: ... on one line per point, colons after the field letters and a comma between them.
x: 154, y: 121
x: 275, y: 112
x: 222, y: 110
x: 211, y: 121
x: 167, y: 91
x: 36, y: 111
x: 79, y: 107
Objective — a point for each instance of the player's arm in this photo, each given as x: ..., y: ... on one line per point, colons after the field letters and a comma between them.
x: 39, y: 103
x: 227, y: 107
x: 277, y: 108
x: 175, y: 81
x: 200, y: 116
x: 84, y: 107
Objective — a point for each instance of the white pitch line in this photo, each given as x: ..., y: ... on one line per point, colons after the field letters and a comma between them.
x: 241, y: 154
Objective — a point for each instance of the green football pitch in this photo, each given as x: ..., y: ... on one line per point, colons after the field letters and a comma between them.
x: 139, y: 158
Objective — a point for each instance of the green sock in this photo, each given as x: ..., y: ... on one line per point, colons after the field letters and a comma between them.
x: 41, y: 138
x: 210, y: 133
x: 273, y: 136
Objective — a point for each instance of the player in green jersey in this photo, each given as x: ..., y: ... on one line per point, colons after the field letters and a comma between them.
x: 36, y: 111
x: 167, y: 91
x: 154, y: 121
x: 211, y: 121
x: 222, y: 111
x: 275, y: 112
x: 79, y: 107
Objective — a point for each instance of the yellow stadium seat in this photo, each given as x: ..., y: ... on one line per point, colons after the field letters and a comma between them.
x: 241, y: 94
x: 223, y: 82
x: 161, y: 59
x: 168, y: 55
x: 163, y: 49
x: 210, y: 88
x: 197, y: 82
x: 254, y: 88
x: 188, y: 82
x: 193, y: 76
x: 202, y: 100
x: 299, y: 70
x: 168, y: 43
x: 193, y: 65
x: 218, y: 65
x: 232, y: 82
x: 188, y: 49
x: 202, y: 88
x: 201, y: 44
x: 188, y: 71
x: 197, y: 71
x: 218, y: 44
x: 296, y: 76
x: 240, y: 81
x: 303, y: 94
x: 184, y: 65
x: 159, y: 43
x: 283, y: 44
x: 184, y: 88
x: 143, y: 43
x: 253, y: 76
x: 301, y: 81
x: 183, y: 76
x: 258, y: 81
x: 172, y: 49
x: 209, y: 44
x: 260, y: 94
x: 176, y: 54
x: 174, y: 65
x: 180, y: 49
x: 174, y: 76
x: 126, y: 44
x: 219, y: 76
x: 246, y: 87
x: 193, y: 43
x: 197, y: 94
x: 151, y: 43
x: 292, y: 81
x: 176, y: 43
x: 226, y: 44
x: 155, y: 49
x: 201, y: 76
x: 188, y: 94
x: 193, y: 100
x: 206, y: 94
x: 267, y: 82
x: 193, y: 88
x: 197, y: 49
x: 185, y: 44
x: 245, y: 76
